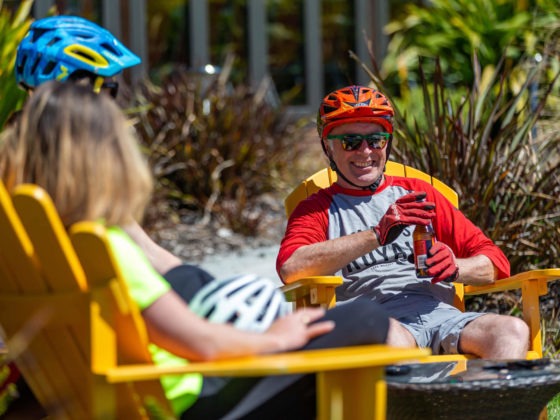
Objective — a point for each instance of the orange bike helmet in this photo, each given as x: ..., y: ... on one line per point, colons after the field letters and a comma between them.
x: 354, y: 104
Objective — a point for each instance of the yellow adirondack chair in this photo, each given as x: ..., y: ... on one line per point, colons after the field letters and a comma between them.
x: 81, y: 344
x: 320, y: 290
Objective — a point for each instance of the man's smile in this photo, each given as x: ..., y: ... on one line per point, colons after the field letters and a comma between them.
x: 363, y: 164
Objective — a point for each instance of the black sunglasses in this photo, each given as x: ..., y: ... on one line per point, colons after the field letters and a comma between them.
x: 354, y: 141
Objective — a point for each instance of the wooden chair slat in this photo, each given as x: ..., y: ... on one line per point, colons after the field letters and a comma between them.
x: 394, y: 168
x: 18, y: 256
x: 298, y: 194
x: 410, y: 172
x: 53, y: 248
x: 447, y: 191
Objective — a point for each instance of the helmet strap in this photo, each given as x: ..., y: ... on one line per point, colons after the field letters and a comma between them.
x: 97, y: 83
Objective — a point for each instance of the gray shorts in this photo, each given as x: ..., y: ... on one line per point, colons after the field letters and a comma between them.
x: 432, y: 323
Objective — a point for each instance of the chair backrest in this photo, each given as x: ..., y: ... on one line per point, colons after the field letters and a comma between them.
x: 66, y: 313
x: 326, y: 177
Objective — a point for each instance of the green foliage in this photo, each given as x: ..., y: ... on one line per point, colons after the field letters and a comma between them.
x: 12, y: 30
x: 453, y: 30
x: 9, y: 390
x: 550, y: 329
x: 214, y: 147
x: 553, y: 408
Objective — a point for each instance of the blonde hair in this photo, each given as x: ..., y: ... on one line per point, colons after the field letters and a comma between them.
x: 77, y: 146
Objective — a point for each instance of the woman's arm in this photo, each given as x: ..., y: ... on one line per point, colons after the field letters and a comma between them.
x: 174, y: 327
x: 160, y: 258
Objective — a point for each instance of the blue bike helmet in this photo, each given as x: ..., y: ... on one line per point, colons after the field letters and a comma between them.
x: 58, y: 47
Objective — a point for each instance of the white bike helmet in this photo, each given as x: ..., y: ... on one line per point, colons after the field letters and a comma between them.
x: 249, y: 302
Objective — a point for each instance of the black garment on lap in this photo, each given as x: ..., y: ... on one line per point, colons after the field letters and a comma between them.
x: 187, y: 279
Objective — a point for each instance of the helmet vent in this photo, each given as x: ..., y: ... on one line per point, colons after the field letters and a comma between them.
x: 111, y: 48
x: 53, y: 41
x: 83, y: 36
x: 35, y: 64
x: 38, y: 32
x: 49, y: 68
x: 83, y: 54
x: 22, y: 65
x: 328, y: 109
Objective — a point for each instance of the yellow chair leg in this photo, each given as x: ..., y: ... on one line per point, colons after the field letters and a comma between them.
x: 357, y: 394
x: 531, y: 312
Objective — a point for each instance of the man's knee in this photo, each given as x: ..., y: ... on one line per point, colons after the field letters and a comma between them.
x: 504, y: 327
x: 398, y: 335
x: 514, y: 328
x: 495, y: 336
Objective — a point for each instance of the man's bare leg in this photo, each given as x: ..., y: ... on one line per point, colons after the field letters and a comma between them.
x: 399, y: 336
x: 493, y: 336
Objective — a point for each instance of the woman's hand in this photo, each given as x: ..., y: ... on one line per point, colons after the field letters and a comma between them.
x: 297, y: 328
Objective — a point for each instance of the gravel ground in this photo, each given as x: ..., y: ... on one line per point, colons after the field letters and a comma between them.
x: 221, y: 251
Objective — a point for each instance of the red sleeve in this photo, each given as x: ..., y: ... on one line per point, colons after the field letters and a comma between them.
x: 307, y: 225
x: 465, y: 239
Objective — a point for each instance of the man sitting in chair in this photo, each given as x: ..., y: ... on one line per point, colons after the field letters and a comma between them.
x: 361, y: 228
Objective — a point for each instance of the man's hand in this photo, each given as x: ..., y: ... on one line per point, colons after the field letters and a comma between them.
x: 441, y: 263
x: 407, y: 210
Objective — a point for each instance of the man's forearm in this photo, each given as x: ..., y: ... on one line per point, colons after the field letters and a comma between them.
x: 477, y: 270
x: 326, y: 258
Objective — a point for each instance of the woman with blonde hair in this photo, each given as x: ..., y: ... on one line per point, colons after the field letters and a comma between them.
x: 78, y: 147
x: 73, y: 155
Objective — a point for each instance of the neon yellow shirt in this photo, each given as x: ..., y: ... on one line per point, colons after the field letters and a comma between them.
x: 145, y: 286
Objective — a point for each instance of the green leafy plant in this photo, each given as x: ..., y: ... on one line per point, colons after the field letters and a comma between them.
x: 8, y: 391
x: 214, y: 147
x: 553, y: 408
x: 453, y: 30
x: 12, y: 30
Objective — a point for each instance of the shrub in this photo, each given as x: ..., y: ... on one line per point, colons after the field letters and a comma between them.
x: 453, y: 30
x: 214, y: 147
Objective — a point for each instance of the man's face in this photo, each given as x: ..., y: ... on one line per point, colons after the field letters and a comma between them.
x: 361, y: 166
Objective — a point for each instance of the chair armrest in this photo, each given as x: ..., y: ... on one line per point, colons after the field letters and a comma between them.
x: 309, y: 361
x: 532, y: 284
x: 312, y: 291
x: 517, y: 282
